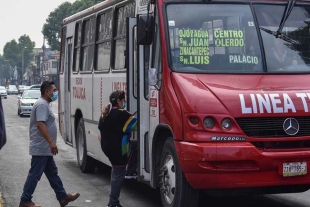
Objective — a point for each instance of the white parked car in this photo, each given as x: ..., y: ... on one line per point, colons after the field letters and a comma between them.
x: 21, y: 89
x: 3, y: 92
x: 26, y: 102
x: 12, y: 90
x: 36, y: 86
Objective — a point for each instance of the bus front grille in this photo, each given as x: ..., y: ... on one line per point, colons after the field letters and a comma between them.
x: 272, y: 127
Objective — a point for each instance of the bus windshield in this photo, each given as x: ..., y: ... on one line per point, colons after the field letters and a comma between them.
x: 291, y: 55
x: 213, y: 38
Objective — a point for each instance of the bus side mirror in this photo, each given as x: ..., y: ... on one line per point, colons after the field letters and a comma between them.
x: 145, y: 30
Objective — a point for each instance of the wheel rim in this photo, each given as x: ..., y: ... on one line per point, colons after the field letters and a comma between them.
x: 168, y: 179
x: 81, y: 144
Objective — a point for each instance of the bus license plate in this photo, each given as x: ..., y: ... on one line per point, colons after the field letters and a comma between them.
x: 294, y: 169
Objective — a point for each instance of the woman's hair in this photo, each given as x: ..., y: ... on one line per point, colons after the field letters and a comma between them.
x: 114, y: 96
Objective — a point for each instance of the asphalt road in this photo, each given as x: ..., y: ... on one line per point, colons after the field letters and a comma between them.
x: 94, y: 188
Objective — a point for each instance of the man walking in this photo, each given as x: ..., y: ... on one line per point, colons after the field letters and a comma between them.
x: 43, y: 137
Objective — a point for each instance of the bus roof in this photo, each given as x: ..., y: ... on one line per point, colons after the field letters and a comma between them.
x: 88, y: 11
x: 108, y: 2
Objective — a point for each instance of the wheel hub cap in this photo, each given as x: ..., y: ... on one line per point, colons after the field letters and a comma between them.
x: 167, y: 179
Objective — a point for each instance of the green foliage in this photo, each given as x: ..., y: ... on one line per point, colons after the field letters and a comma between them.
x: 10, y: 52
x: 4, y: 72
x: 5, y: 69
x: 52, y: 28
x: 13, y: 52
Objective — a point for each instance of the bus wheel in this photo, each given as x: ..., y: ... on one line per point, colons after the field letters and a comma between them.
x: 86, y: 163
x: 174, y: 188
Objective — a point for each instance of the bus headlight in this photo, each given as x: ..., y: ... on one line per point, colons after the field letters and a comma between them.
x: 208, y: 122
x: 226, y: 124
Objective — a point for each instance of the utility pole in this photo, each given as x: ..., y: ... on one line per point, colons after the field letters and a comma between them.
x: 22, y: 78
x: 43, y: 59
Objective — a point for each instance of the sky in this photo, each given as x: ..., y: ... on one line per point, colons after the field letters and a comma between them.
x: 19, y: 17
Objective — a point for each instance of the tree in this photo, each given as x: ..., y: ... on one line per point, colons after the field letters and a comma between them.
x: 26, y: 48
x: 52, y: 27
x: 4, y: 73
x: 14, y: 52
x: 10, y: 52
x: 1, y: 66
x: 9, y: 72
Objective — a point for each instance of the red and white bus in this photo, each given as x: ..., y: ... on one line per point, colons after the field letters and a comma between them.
x: 221, y: 91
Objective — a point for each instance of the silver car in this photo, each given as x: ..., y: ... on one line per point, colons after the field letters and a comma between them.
x: 3, y: 93
x: 26, y: 102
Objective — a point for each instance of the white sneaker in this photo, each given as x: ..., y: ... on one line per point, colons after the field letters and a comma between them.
x: 132, y: 176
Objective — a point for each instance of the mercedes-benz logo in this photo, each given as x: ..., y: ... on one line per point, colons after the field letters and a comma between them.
x: 291, y: 126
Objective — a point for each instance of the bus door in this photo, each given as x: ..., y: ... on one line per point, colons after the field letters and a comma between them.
x: 67, y: 92
x: 138, y: 88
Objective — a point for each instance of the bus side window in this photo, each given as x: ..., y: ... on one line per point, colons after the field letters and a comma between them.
x: 63, y: 46
x: 88, y: 37
x: 77, y: 45
x: 103, y: 42
x: 120, y: 34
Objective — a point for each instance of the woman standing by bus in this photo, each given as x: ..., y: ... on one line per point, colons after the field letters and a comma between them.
x: 116, y: 125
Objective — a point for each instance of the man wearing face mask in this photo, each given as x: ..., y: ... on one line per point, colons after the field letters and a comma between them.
x: 116, y: 125
x: 43, y: 138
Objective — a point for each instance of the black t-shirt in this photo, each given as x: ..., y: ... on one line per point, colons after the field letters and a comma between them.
x: 115, y: 133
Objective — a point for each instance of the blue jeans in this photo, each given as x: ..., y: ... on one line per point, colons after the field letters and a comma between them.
x: 40, y: 165
x: 118, y: 174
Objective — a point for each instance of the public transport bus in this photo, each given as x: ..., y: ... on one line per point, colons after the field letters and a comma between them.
x: 221, y: 91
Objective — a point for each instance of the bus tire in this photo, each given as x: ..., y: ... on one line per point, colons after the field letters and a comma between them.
x: 86, y: 163
x: 174, y: 188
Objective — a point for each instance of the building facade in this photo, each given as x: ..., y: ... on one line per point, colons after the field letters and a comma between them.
x: 44, y: 67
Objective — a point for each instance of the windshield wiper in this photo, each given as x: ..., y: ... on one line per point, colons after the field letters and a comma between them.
x: 278, y: 34
x: 281, y: 36
x: 288, y: 9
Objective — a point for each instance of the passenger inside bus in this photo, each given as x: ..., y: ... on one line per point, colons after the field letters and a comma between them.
x: 279, y: 56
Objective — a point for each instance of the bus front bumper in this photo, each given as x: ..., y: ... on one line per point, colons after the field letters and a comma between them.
x: 237, y: 165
